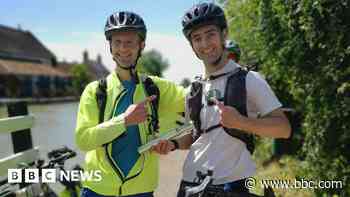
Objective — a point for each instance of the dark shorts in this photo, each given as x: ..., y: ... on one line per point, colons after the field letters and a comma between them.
x: 85, y: 192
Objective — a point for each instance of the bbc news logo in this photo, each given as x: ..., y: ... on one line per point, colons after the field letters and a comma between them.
x: 33, y: 175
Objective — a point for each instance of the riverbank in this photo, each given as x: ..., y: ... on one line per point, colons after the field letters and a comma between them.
x: 42, y: 100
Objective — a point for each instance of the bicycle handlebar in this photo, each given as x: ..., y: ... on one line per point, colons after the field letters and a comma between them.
x: 195, y: 190
x: 57, y: 152
x: 63, y: 157
x: 57, y: 156
x: 204, y: 180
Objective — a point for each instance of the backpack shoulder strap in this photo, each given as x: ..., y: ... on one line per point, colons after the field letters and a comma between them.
x: 152, y: 89
x: 236, y: 96
x: 101, y: 98
x: 194, y: 103
x: 235, y: 91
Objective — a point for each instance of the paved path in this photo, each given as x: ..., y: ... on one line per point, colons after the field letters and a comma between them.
x: 170, y: 173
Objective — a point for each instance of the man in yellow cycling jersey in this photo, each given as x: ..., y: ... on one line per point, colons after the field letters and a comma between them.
x: 111, y: 144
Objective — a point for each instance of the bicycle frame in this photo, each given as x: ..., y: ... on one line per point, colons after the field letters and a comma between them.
x: 57, y: 159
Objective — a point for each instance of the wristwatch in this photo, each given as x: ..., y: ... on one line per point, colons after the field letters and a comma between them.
x: 176, y: 144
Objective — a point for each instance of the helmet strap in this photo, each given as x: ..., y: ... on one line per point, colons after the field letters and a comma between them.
x: 132, y: 68
x: 133, y: 72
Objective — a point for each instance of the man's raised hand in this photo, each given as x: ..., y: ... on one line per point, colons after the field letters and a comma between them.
x: 229, y: 116
x: 137, y: 113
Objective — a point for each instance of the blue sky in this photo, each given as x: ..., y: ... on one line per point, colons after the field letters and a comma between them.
x: 69, y: 27
x: 60, y: 16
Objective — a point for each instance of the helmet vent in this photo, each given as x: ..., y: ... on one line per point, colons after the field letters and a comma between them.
x: 122, y: 18
x: 132, y: 19
x: 189, y: 16
x: 124, y: 21
x: 196, y: 12
x: 205, y: 9
x: 111, y: 20
x: 203, y: 13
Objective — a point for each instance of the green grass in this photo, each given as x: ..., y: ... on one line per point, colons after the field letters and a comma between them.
x: 285, y: 168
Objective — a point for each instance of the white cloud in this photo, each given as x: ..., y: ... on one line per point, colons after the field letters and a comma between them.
x: 183, y: 62
x: 175, y: 49
x: 73, y: 50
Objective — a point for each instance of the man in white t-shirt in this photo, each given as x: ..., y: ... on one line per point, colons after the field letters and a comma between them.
x: 211, y: 145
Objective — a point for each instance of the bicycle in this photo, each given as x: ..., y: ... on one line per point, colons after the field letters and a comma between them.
x: 71, y: 188
x: 207, y: 189
x: 57, y: 159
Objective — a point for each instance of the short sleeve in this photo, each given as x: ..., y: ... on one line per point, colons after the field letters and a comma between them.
x: 261, y: 100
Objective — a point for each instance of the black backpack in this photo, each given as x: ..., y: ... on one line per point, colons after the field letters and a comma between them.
x: 235, y: 96
x: 151, y: 89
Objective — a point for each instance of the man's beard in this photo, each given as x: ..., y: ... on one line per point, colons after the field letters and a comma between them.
x: 214, y: 62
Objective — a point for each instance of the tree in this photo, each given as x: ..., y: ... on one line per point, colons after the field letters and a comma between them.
x: 303, y: 46
x: 152, y: 63
x: 80, y: 77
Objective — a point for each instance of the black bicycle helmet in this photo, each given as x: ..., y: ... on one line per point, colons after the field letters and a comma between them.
x: 202, y: 14
x: 125, y: 21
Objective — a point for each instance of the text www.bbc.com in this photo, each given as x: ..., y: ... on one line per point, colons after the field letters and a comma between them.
x: 251, y: 183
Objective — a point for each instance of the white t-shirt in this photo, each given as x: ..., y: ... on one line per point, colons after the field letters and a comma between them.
x: 227, y: 156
